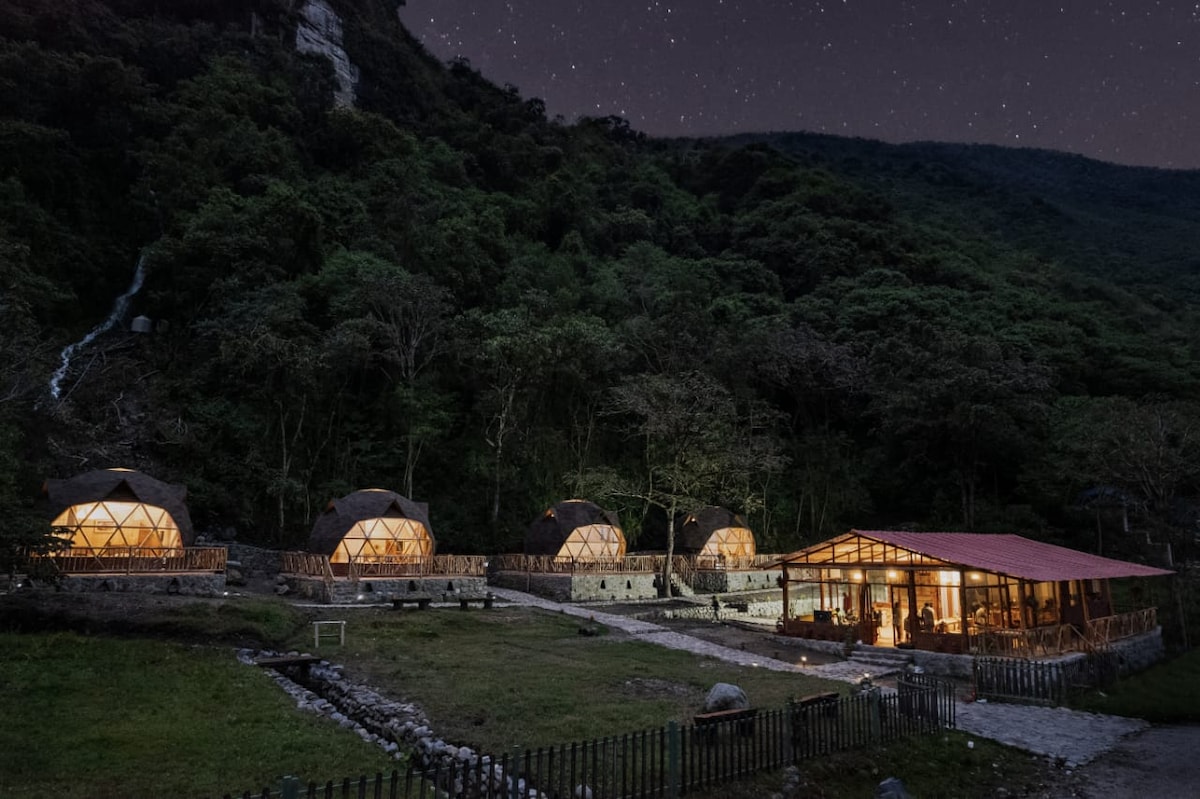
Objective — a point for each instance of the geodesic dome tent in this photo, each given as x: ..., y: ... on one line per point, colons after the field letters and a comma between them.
x: 576, y: 530
x: 373, y: 526
x: 119, y: 509
x: 716, y: 533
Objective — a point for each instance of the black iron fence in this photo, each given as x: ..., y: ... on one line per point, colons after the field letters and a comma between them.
x: 665, y: 762
x: 1041, y: 683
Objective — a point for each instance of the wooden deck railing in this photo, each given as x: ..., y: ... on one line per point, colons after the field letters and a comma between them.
x: 305, y: 563
x: 723, y: 563
x: 549, y: 564
x: 1055, y: 639
x: 1106, y: 629
x: 138, y: 560
x: 685, y: 566
x: 441, y: 565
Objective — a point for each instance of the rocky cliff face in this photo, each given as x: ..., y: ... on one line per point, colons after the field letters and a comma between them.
x: 320, y: 31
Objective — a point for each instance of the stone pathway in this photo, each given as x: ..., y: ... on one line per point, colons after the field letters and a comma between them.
x: 1068, y: 735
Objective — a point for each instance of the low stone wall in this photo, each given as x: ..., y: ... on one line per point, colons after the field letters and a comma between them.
x: 1135, y: 654
x: 580, y: 587
x: 1140, y: 652
x: 720, y: 582
x: 374, y: 590
x: 255, y: 561
x: 205, y: 584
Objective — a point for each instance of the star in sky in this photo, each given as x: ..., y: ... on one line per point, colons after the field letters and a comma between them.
x: 1117, y: 80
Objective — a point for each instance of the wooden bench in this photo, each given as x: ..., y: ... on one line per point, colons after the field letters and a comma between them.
x: 827, y: 702
x: 707, y: 724
x: 420, y: 600
x: 466, y: 601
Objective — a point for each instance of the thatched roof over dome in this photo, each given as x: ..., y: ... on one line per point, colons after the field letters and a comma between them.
x: 549, y: 531
x: 371, y: 503
x: 122, y: 485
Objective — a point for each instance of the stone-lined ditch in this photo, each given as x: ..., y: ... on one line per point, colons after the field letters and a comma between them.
x: 399, y: 728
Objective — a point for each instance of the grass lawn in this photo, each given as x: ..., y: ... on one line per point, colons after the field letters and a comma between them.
x: 104, y: 717
x: 1167, y: 693
x: 97, y: 716
x: 521, y: 677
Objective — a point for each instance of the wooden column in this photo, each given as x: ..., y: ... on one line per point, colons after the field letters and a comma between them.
x: 911, y: 615
x: 962, y: 610
x: 1022, y: 605
x: 786, y: 606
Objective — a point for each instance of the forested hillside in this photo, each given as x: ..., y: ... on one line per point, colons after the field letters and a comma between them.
x: 442, y: 292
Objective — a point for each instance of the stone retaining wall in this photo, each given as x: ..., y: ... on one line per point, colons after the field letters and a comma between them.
x: 720, y: 582
x: 373, y: 590
x: 255, y: 561
x: 580, y: 587
x: 1140, y: 652
x: 205, y: 584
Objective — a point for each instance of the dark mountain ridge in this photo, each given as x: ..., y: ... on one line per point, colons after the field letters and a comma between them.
x: 442, y: 292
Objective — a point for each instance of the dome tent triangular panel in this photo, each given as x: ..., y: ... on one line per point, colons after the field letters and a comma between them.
x: 373, y: 526
x: 715, y: 532
x: 111, y: 509
x: 578, y: 530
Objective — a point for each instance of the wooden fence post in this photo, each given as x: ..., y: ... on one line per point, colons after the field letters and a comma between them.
x: 673, y: 751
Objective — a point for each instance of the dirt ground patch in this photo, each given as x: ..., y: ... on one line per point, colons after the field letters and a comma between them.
x: 648, y: 688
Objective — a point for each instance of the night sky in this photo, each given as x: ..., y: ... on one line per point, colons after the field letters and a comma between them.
x: 1117, y: 81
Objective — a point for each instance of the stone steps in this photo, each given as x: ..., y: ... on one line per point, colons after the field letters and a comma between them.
x: 879, y: 660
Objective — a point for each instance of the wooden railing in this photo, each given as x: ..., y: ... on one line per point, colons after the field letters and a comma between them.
x: 310, y: 565
x: 723, y: 563
x: 1106, y: 629
x: 138, y: 560
x: 684, y: 567
x: 1055, y: 639
x: 549, y: 564
x: 441, y: 565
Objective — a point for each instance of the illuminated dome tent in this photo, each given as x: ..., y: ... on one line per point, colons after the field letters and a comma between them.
x: 715, y: 533
x: 111, y: 509
x: 576, y: 530
x: 373, y: 526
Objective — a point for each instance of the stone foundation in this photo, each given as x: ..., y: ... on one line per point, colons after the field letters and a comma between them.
x: 374, y: 590
x: 1140, y: 652
x: 255, y: 561
x: 721, y: 582
x: 1135, y: 654
x: 188, y: 584
x: 581, y: 587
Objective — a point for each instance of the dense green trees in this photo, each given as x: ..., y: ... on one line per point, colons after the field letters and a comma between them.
x: 445, y: 293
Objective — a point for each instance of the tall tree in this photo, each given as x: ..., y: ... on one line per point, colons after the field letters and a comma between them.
x: 406, y: 318
x: 698, y: 447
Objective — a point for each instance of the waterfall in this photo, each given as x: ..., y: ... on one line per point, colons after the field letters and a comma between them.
x: 118, y: 311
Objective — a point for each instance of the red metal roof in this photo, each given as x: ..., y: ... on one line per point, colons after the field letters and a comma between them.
x: 1012, y: 555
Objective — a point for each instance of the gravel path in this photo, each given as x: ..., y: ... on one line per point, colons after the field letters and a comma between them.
x: 1073, y: 737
